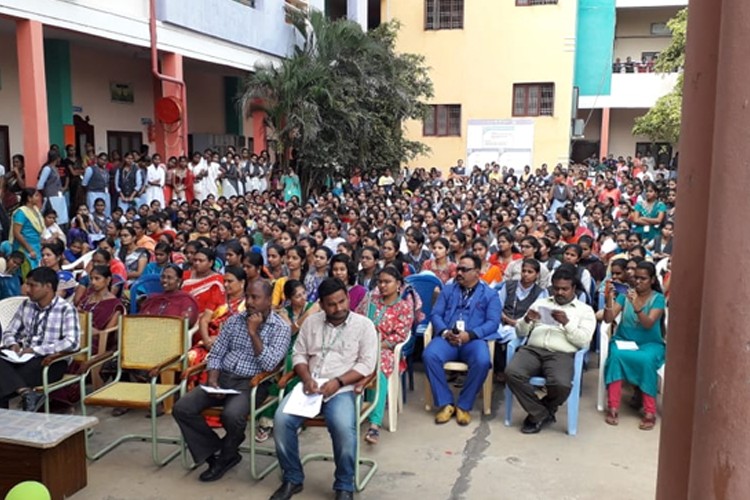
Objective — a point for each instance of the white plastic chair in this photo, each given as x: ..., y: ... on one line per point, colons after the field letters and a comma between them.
x: 395, y: 402
x: 8, y: 308
x: 79, y: 266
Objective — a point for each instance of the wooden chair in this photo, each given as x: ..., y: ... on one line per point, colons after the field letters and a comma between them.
x: 255, y: 411
x: 458, y: 366
x: 363, y: 409
x: 156, y: 344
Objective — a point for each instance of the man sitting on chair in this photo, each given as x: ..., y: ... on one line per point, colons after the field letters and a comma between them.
x: 43, y: 325
x: 465, y: 315
x: 341, y: 347
x: 250, y: 343
x: 550, y: 349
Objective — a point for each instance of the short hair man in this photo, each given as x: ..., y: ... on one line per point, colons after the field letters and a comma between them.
x: 550, y: 349
x: 250, y: 343
x: 466, y: 313
x: 340, y: 347
x: 43, y: 325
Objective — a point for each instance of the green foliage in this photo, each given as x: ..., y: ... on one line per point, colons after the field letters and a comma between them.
x: 662, y: 122
x: 341, y: 98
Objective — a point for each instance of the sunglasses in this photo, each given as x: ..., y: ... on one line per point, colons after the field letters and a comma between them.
x: 463, y: 269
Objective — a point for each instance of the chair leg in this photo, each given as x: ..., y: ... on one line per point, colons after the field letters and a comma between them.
x: 402, y: 401
x: 393, y: 389
x: 508, y: 405
x: 427, y: 394
x: 573, y: 403
x: 487, y: 394
x: 410, y: 370
x: 167, y: 378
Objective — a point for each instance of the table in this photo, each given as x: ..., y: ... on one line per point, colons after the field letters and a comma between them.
x: 50, y: 449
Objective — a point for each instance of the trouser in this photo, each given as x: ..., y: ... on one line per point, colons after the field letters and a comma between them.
x: 555, y: 367
x: 475, y: 354
x: 376, y: 416
x: 15, y: 376
x: 614, y: 395
x: 202, y: 441
x: 341, y: 420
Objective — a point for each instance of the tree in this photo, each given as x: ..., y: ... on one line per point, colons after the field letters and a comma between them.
x: 662, y: 122
x: 340, y: 99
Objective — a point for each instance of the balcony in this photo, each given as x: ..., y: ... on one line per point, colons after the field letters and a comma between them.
x: 625, y: 4
x: 632, y: 90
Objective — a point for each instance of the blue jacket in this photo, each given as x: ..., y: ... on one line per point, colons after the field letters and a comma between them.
x: 481, y: 313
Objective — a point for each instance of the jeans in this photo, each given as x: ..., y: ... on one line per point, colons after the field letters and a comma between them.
x: 341, y: 420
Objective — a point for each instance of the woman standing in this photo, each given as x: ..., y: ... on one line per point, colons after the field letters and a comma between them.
x: 439, y: 263
x: 15, y: 182
x: 393, y: 318
x: 28, y: 226
x: 642, y: 311
x: 649, y: 214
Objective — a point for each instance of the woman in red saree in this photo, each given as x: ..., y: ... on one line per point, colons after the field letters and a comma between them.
x: 206, y: 286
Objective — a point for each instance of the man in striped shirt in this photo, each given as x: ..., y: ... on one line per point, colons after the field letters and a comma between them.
x: 43, y: 325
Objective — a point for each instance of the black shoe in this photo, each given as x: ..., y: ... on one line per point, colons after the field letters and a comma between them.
x: 218, y: 468
x: 531, y: 426
x: 32, y: 401
x: 286, y: 491
x: 344, y: 495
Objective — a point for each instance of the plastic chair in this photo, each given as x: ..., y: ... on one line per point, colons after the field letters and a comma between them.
x: 574, y: 398
x: 8, y: 308
x: 363, y: 409
x: 153, y: 343
x: 458, y: 366
x: 145, y: 285
x: 395, y: 402
x: 78, y: 266
x: 255, y: 411
x: 425, y: 283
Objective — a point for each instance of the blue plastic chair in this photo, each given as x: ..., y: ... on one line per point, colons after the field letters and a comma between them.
x: 145, y: 285
x: 424, y: 284
x: 575, y: 391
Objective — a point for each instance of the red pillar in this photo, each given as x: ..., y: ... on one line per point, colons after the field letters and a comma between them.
x: 604, y: 135
x: 33, y: 93
x: 259, y: 131
x: 169, y: 138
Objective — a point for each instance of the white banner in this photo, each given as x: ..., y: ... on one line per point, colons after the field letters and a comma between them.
x: 510, y: 143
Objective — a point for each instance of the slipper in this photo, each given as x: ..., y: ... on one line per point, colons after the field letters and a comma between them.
x: 118, y: 412
x: 648, y: 422
x: 612, y: 418
x: 373, y: 435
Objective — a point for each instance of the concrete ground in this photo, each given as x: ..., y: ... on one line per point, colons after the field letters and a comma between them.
x: 485, y: 460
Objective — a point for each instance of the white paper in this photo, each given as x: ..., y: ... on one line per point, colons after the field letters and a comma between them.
x: 11, y: 356
x: 626, y: 345
x: 218, y: 390
x: 546, y: 316
x: 304, y: 405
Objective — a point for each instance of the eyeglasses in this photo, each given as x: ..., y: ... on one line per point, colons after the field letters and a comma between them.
x: 463, y: 269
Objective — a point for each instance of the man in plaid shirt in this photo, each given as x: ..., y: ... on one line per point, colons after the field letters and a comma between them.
x: 250, y: 343
x: 43, y: 325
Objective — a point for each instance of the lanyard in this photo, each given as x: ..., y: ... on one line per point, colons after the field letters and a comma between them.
x: 326, y: 347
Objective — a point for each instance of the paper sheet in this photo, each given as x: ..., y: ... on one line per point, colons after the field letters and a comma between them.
x: 11, y: 356
x: 219, y: 390
x: 546, y: 316
x: 626, y: 345
x: 304, y: 405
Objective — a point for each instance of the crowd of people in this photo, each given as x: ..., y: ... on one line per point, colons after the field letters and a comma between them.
x: 267, y: 276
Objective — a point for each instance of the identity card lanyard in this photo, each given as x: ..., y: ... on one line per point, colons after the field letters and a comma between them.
x: 326, y: 348
x: 466, y: 299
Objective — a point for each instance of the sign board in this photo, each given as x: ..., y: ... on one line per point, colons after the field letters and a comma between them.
x: 509, y: 142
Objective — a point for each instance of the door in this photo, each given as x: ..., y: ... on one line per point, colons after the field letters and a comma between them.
x: 84, y: 133
x: 5, y: 147
x: 124, y: 141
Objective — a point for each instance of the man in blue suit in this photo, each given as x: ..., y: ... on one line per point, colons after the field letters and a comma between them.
x: 465, y: 315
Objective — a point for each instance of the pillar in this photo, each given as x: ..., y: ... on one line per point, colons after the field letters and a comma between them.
x: 33, y: 93
x: 259, y: 131
x: 171, y: 139
x: 604, y: 134
x: 356, y: 10
x: 720, y: 456
x: 59, y: 93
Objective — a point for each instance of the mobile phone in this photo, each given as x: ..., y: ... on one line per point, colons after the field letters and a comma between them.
x: 620, y: 288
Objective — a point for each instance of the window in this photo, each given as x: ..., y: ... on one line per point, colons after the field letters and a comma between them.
x: 124, y: 141
x: 660, y: 29
x: 533, y: 99
x: 444, y: 14
x: 535, y: 2
x: 249, y: 3
x: 443, y: 120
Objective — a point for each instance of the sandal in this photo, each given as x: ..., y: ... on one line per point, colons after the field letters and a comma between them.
x: 373, y: 435
x: 262, y: 434
x: 612, y: 418
x: 648, y: 422
x: 118, y: 412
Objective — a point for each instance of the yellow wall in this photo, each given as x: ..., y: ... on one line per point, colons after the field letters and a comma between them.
x: 500, y: 45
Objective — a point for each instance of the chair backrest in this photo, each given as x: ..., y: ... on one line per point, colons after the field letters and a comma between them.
x: 146, y: 341
x: 84, y: 343
x: 151, y: 283
x: 8, y: 308
x: 425, y: 285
